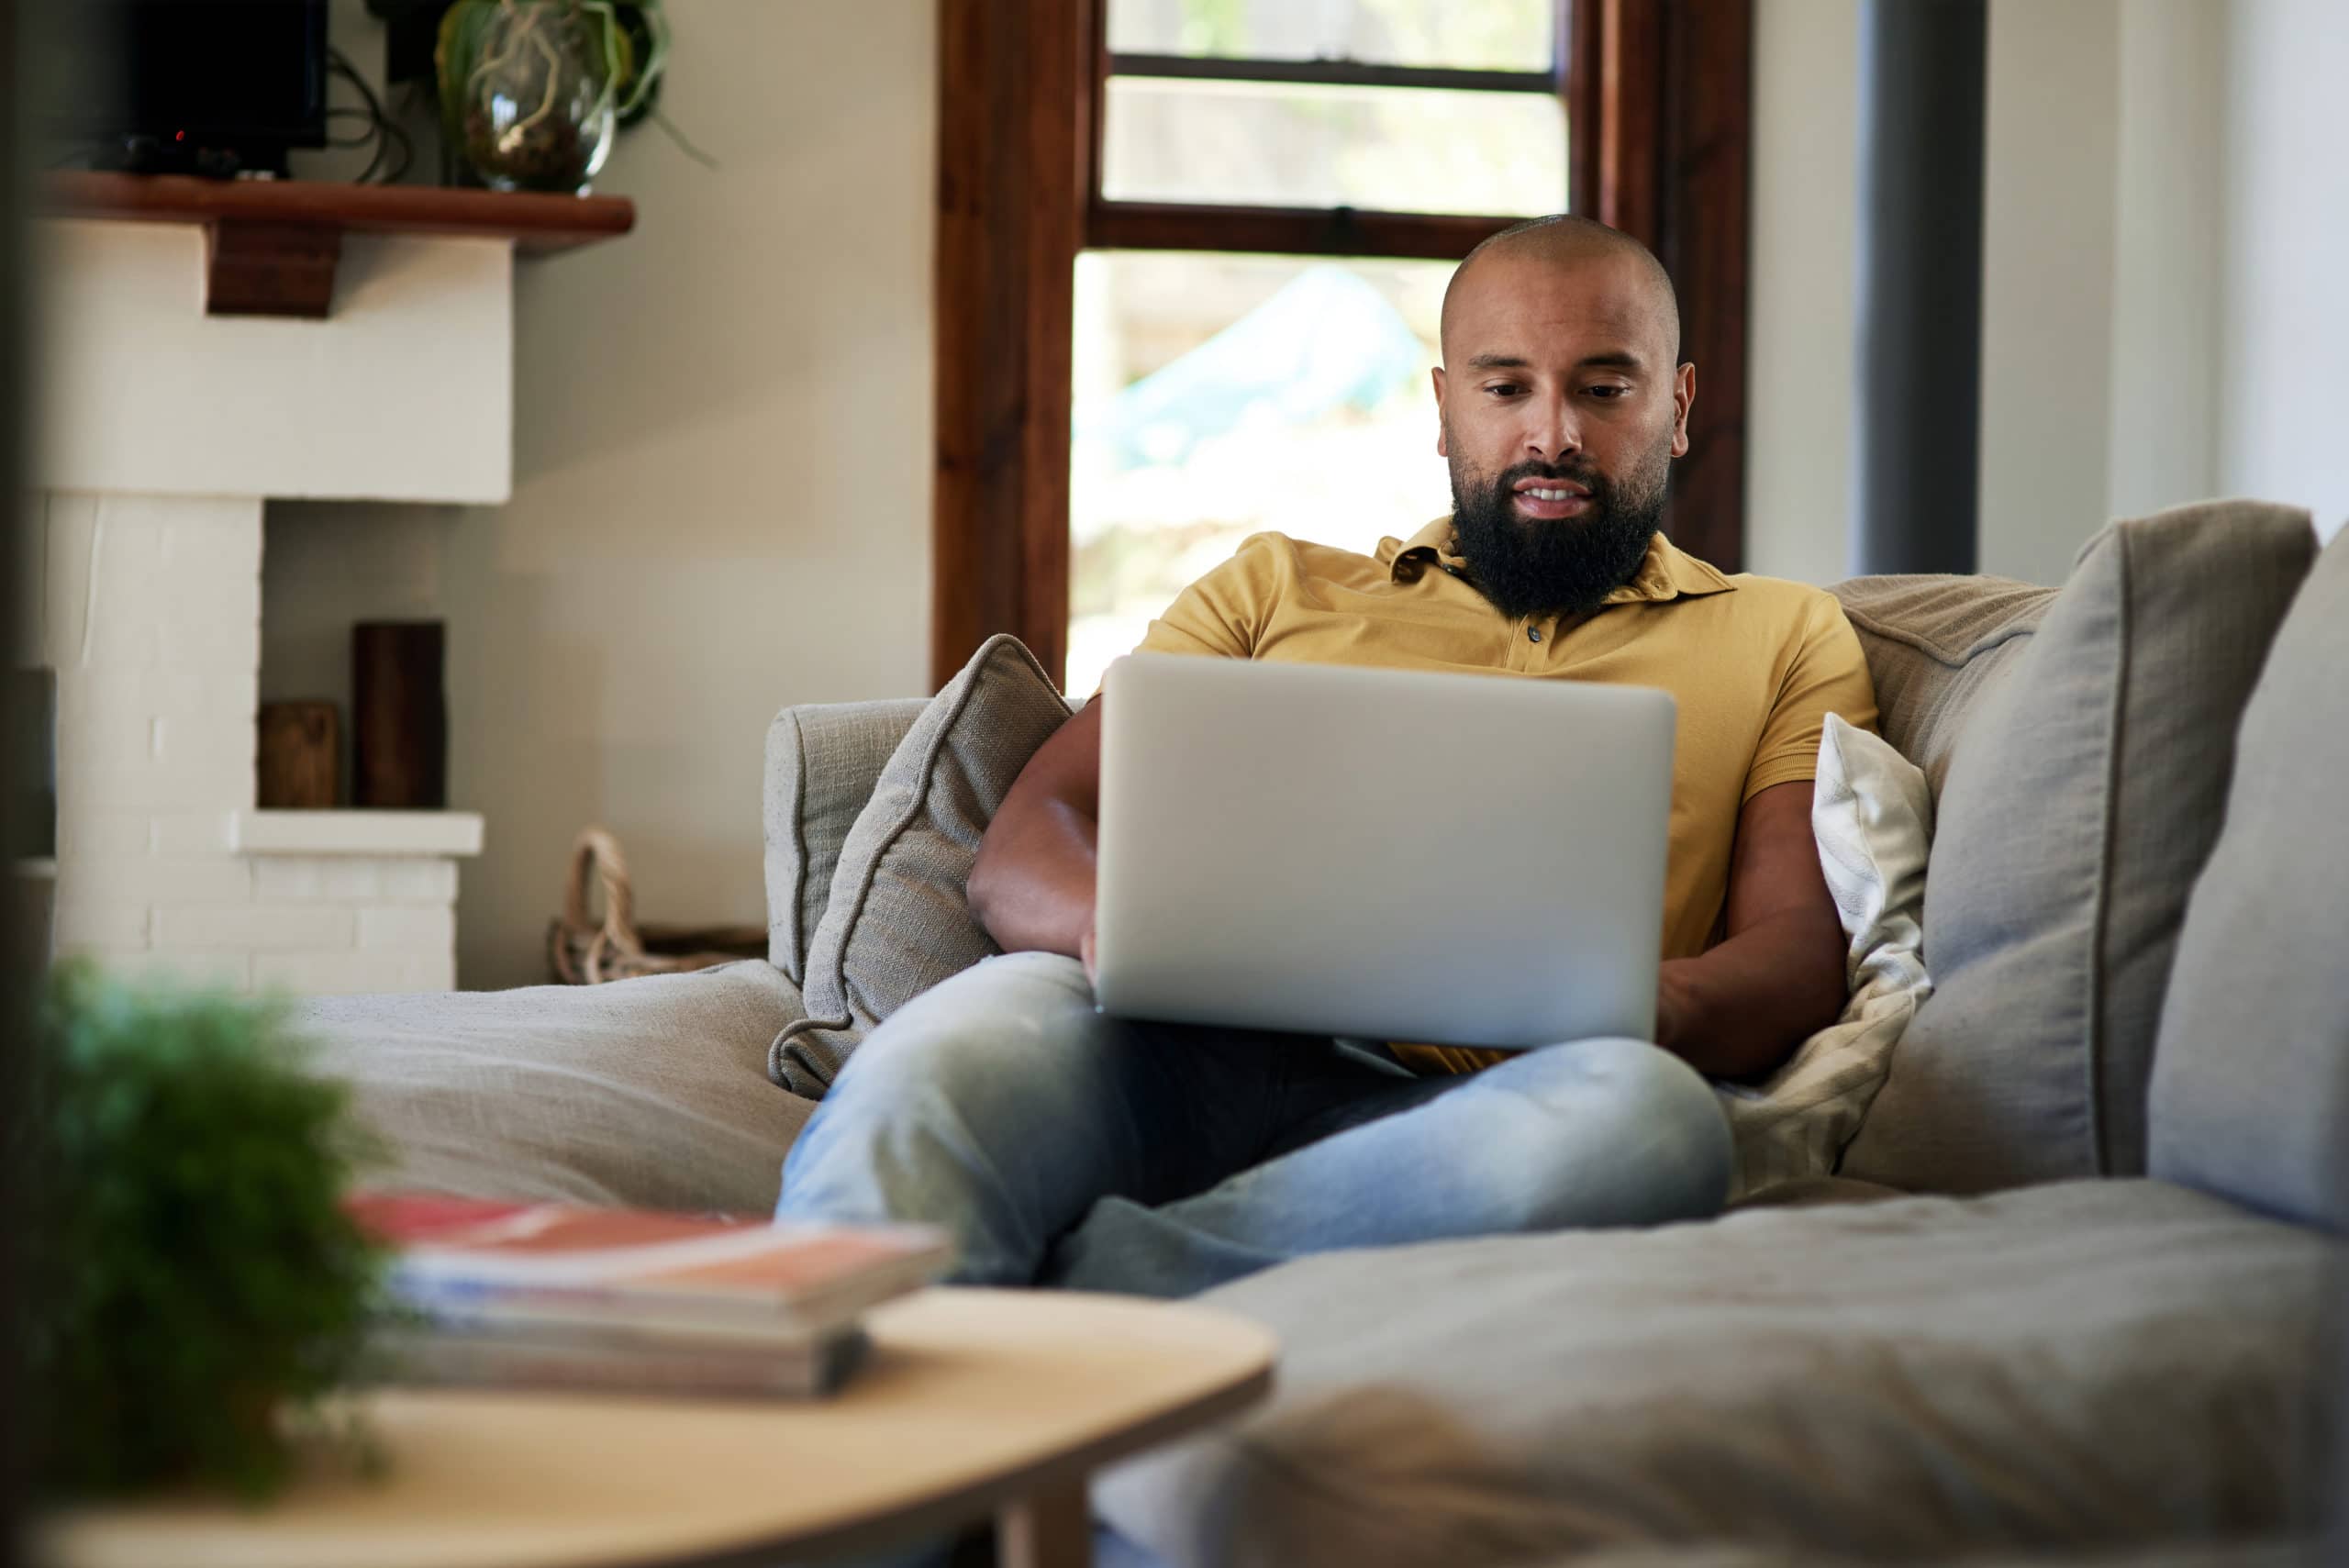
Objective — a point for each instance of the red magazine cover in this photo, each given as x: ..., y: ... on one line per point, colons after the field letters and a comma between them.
x: 476, y: 1259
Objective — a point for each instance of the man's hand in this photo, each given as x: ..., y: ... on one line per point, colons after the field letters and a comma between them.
x: 1739, y: 1009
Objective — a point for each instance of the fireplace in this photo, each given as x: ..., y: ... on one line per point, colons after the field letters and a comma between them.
x: 168, y: 427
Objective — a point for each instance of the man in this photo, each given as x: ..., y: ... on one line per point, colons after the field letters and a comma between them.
x: 1062, y: 1147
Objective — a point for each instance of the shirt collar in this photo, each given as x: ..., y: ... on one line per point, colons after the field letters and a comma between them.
x: 1666, y: 573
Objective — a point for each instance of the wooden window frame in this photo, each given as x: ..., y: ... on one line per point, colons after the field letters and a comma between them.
x: 1659, y: 96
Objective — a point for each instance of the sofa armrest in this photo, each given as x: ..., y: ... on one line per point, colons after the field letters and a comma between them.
x: 822, y: 760
x: 650, y: 1092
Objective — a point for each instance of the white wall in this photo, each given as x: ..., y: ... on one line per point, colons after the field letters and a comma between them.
x: 2166, y: 229
x: 721, y: 480
x: 2052, y: 131
x: 1801, y: 364
x: 2164, y: 441
x: 419, y: 339
x: 2283, y: 380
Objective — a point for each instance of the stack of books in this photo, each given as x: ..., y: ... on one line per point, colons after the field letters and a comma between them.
x: 553, y: 1296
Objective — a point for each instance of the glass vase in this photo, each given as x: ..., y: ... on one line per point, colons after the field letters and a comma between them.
x: 535, y: 110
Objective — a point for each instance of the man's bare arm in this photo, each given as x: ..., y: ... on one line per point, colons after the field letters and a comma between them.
x: 1739, y: 1009
x: 1031, y: 885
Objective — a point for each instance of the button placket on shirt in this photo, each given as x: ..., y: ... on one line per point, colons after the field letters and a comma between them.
x: 1544, y: 647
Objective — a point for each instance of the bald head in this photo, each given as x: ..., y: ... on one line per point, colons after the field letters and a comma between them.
x: 1561, y: 404
x: 1559, y: 243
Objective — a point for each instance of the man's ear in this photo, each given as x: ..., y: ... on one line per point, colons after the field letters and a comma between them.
x: 1438, y: 373
x: 1683, y: 393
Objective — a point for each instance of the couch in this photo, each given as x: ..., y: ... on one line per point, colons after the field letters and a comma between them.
x: 2068, y: 1297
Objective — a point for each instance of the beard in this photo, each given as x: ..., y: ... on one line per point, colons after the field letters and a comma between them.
x: 1533, y: 568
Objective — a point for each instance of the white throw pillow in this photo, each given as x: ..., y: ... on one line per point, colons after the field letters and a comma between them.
x: 1873, y: 816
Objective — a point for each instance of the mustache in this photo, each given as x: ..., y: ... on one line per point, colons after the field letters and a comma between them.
x: 1579, y: 471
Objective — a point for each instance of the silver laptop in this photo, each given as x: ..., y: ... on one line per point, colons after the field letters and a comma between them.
x: 1451, y: 860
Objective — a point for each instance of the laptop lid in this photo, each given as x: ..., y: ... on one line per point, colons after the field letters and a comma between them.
x: 1446, y: 859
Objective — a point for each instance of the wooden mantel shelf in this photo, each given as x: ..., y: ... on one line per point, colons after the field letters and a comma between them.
x: 272, y: 245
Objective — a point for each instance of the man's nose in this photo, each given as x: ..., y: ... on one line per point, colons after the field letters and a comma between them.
x: 1554, y: 433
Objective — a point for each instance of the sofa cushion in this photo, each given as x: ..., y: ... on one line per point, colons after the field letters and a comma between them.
x: 2087, y: 1365
x: 1873, y: 817
x: 648, y: 1092
x: 2081, y: 797
x: 897, y: 921
x: 1934, y: 646
x: 822, y: 762
x: 2251, y: 1077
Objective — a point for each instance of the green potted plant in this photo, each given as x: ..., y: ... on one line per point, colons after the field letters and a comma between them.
x: 199, y: 1285
x: 532, y: 90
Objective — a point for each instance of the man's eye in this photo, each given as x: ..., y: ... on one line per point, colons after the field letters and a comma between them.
x: 1504, y: 389
x: 1609, y: 391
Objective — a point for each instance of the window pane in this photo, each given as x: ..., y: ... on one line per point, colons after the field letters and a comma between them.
x: 1479, y: 35
x: 1216, y: 396
x: 1389, y: 149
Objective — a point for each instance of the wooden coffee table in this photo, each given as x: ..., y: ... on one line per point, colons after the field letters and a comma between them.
x: 973, y: 1403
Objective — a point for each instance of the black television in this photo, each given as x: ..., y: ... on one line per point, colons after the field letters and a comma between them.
x: 212, y: 87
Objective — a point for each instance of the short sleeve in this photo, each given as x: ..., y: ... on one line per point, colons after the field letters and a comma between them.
x: 1225, y: 612
x: 1828, y: 674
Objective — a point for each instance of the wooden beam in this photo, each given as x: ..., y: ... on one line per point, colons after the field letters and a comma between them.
x: 1662, y: 97
x: 1577, y: 25
x: 1703, y: 218
x: 1327, y: 73
x: 270, y: 269
x: 271, y: 246
x: 1016, y: 87
x: 1625, y: 83
x: 536, y: 223
x: 1286, y: 231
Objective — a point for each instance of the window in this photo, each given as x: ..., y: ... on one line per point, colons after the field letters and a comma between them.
x: 1191, y: 253
x: 1217, y: 396
x: 1398, y: 106
x: 1217, y: 393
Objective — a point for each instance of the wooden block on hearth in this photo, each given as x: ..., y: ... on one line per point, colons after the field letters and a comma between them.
x: 400, y: 716
x: 300, y: 745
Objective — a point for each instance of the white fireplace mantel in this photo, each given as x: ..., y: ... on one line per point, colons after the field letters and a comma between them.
x: 164, y: 430
x: 405, y: 394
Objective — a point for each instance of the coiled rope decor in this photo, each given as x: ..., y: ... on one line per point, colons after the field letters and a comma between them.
x: 586, y: 949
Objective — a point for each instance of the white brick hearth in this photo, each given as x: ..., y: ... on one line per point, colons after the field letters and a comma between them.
x: 148, y: 595
x: 150, y: 617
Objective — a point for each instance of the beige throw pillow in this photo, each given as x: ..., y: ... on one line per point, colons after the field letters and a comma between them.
x: 1935, y: 646
x: 1873, y: 816
x: 822, y: 762
x: 2081, y: 799
x: 2250, y: 1095
x: 896, y: 921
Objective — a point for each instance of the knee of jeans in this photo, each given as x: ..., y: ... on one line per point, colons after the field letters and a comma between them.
x: 1004, y: 1023
x: 1663, y: 1144
x: 923, y: 1083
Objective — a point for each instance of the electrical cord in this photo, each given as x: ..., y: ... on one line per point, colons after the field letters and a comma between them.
x: 384, y: 132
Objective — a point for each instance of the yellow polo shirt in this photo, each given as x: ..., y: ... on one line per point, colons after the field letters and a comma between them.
x: 1755, y: 663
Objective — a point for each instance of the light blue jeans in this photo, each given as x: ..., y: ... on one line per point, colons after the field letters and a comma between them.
x: 1062, y: 1147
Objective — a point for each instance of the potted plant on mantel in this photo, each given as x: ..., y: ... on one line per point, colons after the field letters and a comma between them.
x: 532, y: 90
